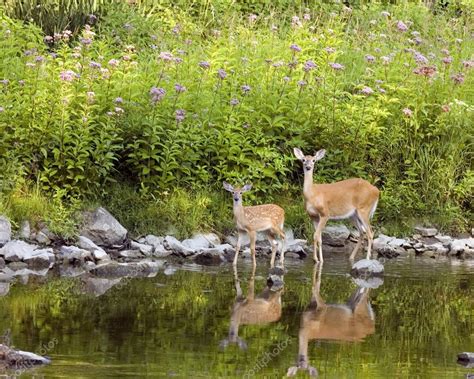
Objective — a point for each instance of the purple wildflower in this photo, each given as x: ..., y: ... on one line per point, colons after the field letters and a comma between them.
x: 178, y: 60
x: 204, y: 65
x: 245, y: 88
x: 385, y: 14
x: 180, y: 114
x: 447, y: 60
x: 296, y: 22
x: 329, y: 50
x: 401, y: 26
x: 428, y: 71
x: 118, y: 100
x: 366, y: 91
x: 309, y: 65
x: 113, y: 63
x: 119, y: 110
x: 95, y: 65
x: 302, y: 83
x: 468, y: 64
x: 128, y: 27
x: 286, y: 78
x: 48, y: 39
x: 2, y: 109
x: 420, y: 58
x: 221, y: 74
x: 306, y: 17
x: 21, y: 82
x: 179, y: 88
x: 5, y: 82
x: 157, y: 94
x: 85, y: 41
x: 252, y: 18
x: 337, y: 66
x: 166, y: 56
x: 278, y: 64
x: 407, y: 112
x: 234, y: 102
x: 370, y: 58
x: 445, y: 51
x: 295, y: 48
x: 458, y: 78
x: 67, y: 76
x: 386, y: 59
x: 92, y: 18
x: 30, y: 52
x: 176, y: 29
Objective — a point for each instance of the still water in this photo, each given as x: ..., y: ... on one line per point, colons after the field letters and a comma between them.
x: 203, y: 322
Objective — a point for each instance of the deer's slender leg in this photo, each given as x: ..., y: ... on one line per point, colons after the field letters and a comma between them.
x: 237, y: 248
x: 358, y: 223
x: 315, y: 239
x: 365, y: 219
x: 253, y: 239
x: 282, y: 235
x: 321, y: 225
x: 271, y: 239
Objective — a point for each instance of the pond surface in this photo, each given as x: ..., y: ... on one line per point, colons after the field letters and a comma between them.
x: 185, y: 324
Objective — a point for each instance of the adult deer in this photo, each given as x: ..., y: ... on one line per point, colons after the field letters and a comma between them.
x: 268, y: 217
x: 251, y: 310
x: 352, y: 198
x: 340, y: 322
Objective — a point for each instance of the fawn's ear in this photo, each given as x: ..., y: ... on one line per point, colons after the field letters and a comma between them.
x: 298, y: 153
x: 319, y: 155
x: 246, y: 188
x: 228, y: 187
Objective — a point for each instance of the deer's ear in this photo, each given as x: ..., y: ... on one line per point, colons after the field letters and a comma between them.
x: 319, y: 155
x: 298, y: 153
x: 246, y: 188
x: 228, y: 187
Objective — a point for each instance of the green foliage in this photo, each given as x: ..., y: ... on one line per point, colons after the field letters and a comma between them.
x: 79, y: 114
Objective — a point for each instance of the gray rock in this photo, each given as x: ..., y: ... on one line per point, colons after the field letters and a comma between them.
x: 161, y: 252
x: 171, y: 243
x: 69, y: 271
x: 2, y: 263
x: 154, y: 240
x: 74, y: 253
x: 43, y: 258
x: 459, y: 245
x: 214, y: 255
x: 5, y: 230
x: 388, y: 247
x: 15, y: 251
x: 197, y: 242
x: 17, y: 359
x: 42, y: 238
x: 445, y: 240
x: 335, y: 235
x: 366, y: 268
x: 87, y: 244
x: 4, y: 289
x: 100, y: 255
x: 103, y: 229
x: 25, y: 230
x: 275, y: 282
x: 16, y: 266
x: 131, y: 254
x: 426, y: 232
x: 145, y: 249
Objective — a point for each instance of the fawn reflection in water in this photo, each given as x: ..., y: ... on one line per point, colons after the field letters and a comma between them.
x: 352, y: 321
x: 253, y: 310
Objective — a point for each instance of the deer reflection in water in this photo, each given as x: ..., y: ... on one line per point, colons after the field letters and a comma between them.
x: 253, y: 310
x: 352, y: 321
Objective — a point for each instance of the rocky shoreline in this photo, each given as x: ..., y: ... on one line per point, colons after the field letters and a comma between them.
x: 103, y: 248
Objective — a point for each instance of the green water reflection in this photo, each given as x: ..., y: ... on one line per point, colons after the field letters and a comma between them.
x: 411, y: 326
